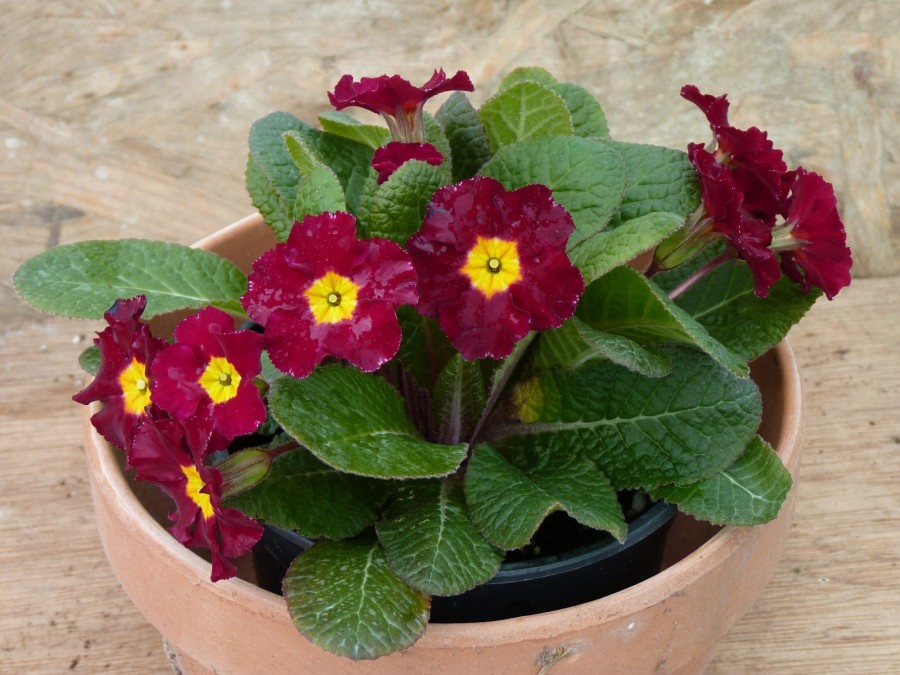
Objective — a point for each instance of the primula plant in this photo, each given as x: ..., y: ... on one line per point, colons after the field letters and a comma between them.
x: 453, y: 339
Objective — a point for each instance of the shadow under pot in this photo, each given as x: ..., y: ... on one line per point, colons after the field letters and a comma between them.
x: 532, y: 585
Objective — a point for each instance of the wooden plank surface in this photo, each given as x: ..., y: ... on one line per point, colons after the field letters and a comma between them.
x: 130, y: 119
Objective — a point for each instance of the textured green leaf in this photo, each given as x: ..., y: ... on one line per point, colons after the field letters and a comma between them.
x: 356, y: 422
x: 434, y: 134
x: 575, y: 343
x: 749, y: 492
x: 641, y: 432
x: 272, y: 175
x: 659, y: 179
x: 350, y: 161
x: 430, y: 541
x: 526, y: 74
x: 344, y: 597
x: 509, y: 499
x: 301, y: 493
x: 458, y: 400
x: 469, y: 146
x: 318, y: 192
x: 341, y: 124
x: 89, y: 360
x: 605, y: 250
x: 525, y: 110
x: 626, y: 303
x: 724, y: 302
x: 588, y: 118
x: 622, y: 351
x: 397, y: 208
x: 425, y: 349
x: 83, y: 280
x: 300, y: 151
x: 586, y: 177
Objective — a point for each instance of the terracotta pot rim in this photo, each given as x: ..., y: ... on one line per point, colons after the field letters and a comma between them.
x: 112, y: 481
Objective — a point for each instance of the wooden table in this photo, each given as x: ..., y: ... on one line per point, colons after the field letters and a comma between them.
x: 130, y: 119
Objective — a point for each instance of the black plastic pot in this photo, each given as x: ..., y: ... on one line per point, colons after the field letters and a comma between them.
x: 523, y: 587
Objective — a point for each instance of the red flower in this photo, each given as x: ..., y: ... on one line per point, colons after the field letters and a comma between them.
x: 123, y: 383
x: 170, y: 454
x: 389, y: 158
x: 210, y: 369
x: 325, y: 292
x: 492, y: 265
x: 398, y: 101
x: 757, y: 166
x: 725, y: 215
x: 812, y: 242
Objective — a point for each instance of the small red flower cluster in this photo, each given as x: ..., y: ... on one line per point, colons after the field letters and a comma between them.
x: 171, y: 406
x: 774, y: 218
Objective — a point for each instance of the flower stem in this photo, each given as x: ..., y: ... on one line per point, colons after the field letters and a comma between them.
x: 700, y: 273
x: 501, y: 379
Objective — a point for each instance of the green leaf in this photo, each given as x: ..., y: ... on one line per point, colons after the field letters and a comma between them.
x: 272, y: 175
x: 458, y: 400
x: 356, y: 422
x: 83, y: 280
x: 525, y: 110
x: 575, y: 343
x: 318, y: 192
x: 588, y: 118
x: 749, y: 492
x: 425, y: 349
x: 659, y: 179
x: 469, y: 146
x: 434, y: 134
x: 397, y: 208
x: 431, y: 543
x: 586, y: 177
x: 641, y: 432
x: 622, y: 351
x: 341, y: 124
x: 350, y: 161
x: 344, y: 597
x: 527, y: 74
x: 598, y: 254
x: 303, y: 494
x: 626, y: 303
x: 509, y: 499
x: 89, y: 360
x: 724, y: 303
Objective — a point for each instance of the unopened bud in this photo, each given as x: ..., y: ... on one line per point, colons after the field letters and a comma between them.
x: 244, y: 469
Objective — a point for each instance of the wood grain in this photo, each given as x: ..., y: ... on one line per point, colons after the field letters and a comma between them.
x: 130, y: 119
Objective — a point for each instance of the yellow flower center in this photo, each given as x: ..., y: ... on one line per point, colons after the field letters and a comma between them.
x: 135, y: 387
x: 332, y: 298
x: 193, y: 487
x: 492, y: 265
x: 528, y: 400
x: 220, y: 380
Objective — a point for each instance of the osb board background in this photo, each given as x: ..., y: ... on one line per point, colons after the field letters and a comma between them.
x: 129, y: 119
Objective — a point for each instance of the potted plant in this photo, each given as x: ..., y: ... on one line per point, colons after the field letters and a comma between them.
x: 473, y: 336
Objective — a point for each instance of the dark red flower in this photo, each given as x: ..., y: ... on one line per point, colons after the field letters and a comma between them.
x: 123, y: 383
x: 757, y: 166
x: 725, y: 215
x: 325, y: 292
x: 170, y: 453
x: 812, y: 242
x: 210, y: 369
x: 398, y: 101
x: 389, y: 158
x: 492, y: 265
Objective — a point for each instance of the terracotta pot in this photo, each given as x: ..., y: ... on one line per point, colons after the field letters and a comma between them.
x: 669, y: 623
